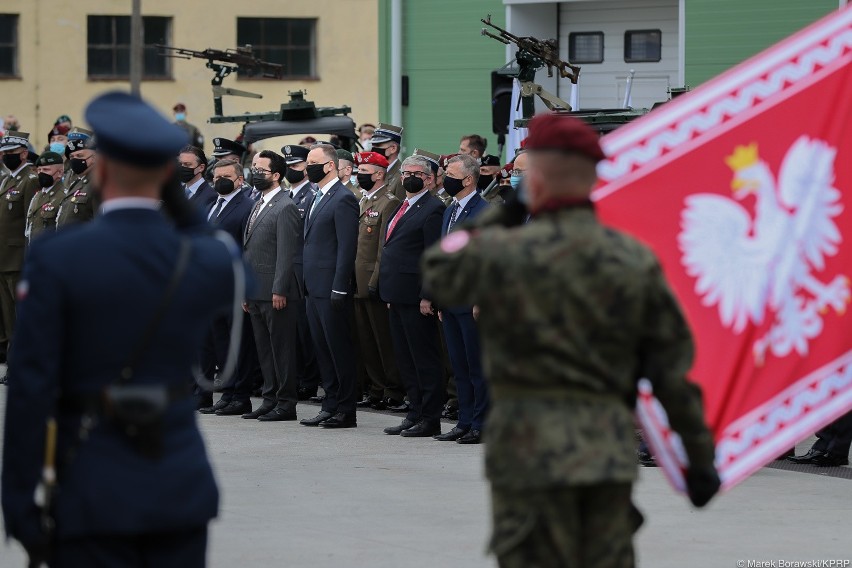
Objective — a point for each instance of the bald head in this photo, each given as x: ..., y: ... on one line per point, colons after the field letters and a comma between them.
x: 556, y: 174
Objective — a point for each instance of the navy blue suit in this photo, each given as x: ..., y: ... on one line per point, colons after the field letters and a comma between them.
x: 92, y: 317
x: 331, y: 237
x: 463, y: 337
x: 204, y: 197
x: 415, y: 336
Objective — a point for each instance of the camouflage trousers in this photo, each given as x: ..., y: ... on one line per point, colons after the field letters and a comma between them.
x: 588, y: 526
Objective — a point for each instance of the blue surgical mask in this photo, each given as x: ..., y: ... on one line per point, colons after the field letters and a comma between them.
x: 515, y: 181
x: 180, y: 116
x: 353, y: 179
x: 58, y: 147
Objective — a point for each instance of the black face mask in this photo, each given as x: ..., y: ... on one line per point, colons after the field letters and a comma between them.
x: 379, y: 151
x: 453, y: 185
x: 45, y: 180
x: 185, y: 174
x: 316, y: 172
x: 412, y: 184
x: 294, y: 176
x: 484, y: 181
x: 365, y: 181
x: 224, y: 186
x: 262, y: 183
x: 12, y: 161
x: 78, y: 165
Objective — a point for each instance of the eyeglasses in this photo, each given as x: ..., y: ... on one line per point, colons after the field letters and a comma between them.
x: 517, y: 172
x: 260, y: 171
x: 420, y: 175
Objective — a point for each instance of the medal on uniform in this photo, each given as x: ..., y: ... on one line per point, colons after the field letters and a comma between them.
x: 369, y: 229
x: 75, y: 209
x: 10, y: 206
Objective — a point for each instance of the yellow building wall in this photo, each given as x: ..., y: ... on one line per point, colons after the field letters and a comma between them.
x: 52, y: 42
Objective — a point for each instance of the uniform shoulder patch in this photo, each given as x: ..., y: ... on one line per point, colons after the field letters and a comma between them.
x: 454, y: 242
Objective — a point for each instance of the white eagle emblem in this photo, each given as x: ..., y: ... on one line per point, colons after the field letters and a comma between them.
x: 750, y: 266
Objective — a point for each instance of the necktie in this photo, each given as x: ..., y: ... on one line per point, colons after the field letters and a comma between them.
x: 187, y: 192
x: 218, y: 209
x: 453, y: 214
x: 255, y: 194
x: 316, y: 202
x: 396, y: 218
x: 254, y: 214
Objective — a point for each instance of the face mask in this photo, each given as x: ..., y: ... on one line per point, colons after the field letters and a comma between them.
x: 515, y: 181
x: 12, y: 161
x: 294, y: 176
x: 453, y: 185
x: 353, y: 179
x: 224, y: 186
x: 185, y: 174
x: 180, y: 116
x: 45, y: 180
x: 380, y: 151
x: 316, y: 172
x: 365, y: 181
x: 78, y: 165
x: 262, y: 184
x: 484, y: 181
x: 367, y: 145
x: 57, y: 147
x: 412, y: 184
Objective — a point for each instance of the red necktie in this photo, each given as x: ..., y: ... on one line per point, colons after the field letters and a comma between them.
x: 396, y: 218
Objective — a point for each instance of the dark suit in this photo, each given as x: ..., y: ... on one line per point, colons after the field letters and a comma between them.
x: 463, y: 337
x: 204, y: 197
x: 331, y: 237
x: 96, y: 506
x: 232, y: 219
x: 415, y: 336
x: 306, y: 366
x: 270, y: 247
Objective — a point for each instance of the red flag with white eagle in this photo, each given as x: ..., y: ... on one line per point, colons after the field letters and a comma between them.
x: 743, y: 188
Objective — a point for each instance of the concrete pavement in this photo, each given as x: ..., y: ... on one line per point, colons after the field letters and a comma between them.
x: 296, y: 496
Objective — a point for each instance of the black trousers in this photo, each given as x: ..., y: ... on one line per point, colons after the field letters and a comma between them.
x: 836, y: 437
x: 335, y: 353
x: 248, y: 366
x: 307, y: 368
x: 275, y: 336
x: 418, y: 357
x: 180, y: 549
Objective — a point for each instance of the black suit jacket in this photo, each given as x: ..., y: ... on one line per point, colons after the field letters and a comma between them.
x: 269, y: 248
x: 234, y: 216
x: 400, y: 281
x: 331, y: 239
x: 204, y: 197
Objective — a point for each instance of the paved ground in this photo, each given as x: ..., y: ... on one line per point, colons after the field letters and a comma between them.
x: 297, y: 496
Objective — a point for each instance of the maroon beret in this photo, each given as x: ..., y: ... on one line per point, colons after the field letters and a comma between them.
x: 506, y: 171
x: 555, y: 132
x: 445, y: 159
x: 372, y: 158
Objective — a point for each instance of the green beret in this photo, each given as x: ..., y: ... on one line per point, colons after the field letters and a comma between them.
x: 49, y: 159
x: 344, y: 155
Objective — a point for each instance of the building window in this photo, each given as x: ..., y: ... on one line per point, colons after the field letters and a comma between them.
x: 586, y: 47
x: 8, y: 45
x: 109, y: 47
x: 642, y: 46
x: 290, y: 42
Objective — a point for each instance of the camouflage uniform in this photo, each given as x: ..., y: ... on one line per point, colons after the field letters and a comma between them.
x: 571, y: 313
x: 80, y: 203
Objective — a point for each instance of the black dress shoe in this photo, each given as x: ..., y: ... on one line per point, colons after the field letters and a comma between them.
x: 278, y: 415
x: 306, y: 393
x: 341, y: 420
x: 472, y: 437
x: 830, y: 460
x: 395, y: 430
x: 422, y: 429
x: 257, y: 413
x: 396, y: 406
x: 234, y: 408
x: 452, y: 435
x: 808, y: 458
x: 646, y: 459
x: 316, y: 420
x: 204, y: 403
x: 366, y: 401
x: 378, y: 405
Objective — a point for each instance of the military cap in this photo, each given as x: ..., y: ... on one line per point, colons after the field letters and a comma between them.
x: 14, y: 139
x: 371, y: 158
x: 223, y: 147
x: 32, y: 157
x: 78, y: 139
x: 433, y: 159
x: 117, y: 119
x: 293, y: 154
x: 565, y: 133
x: 344, y: 155
x: 386, y: 133
x: 49, y: 159
x: 63, y: 118
x: 445, y: 160
x: 490, y: 160
x: 58, y: 130
x: 506, y: 171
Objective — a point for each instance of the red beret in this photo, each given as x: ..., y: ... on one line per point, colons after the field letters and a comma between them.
x: 59, y: 130
x: 445, y: 160
x: 554, y: 132
x: 506, y: 171
x: 372, y: 158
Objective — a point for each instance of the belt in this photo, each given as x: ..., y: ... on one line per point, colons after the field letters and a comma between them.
x: 96, y: 403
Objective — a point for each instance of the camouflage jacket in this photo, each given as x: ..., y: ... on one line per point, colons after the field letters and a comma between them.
x: 571, y: 313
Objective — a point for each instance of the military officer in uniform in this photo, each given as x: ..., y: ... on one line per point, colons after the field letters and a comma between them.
x: 134, y: 492
x: 41, y: 215
x: 387, y: 141
x: 347, y: 165
x: 383, y: 387
x: 80, y: 203
x: 16, y: 193
x: 572, y: 313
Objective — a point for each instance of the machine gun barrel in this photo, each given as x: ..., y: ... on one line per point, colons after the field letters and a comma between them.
x: 242, y: 58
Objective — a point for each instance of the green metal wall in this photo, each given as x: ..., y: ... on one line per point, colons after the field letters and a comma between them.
x: 449, y: 67
x: 723, y: 33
